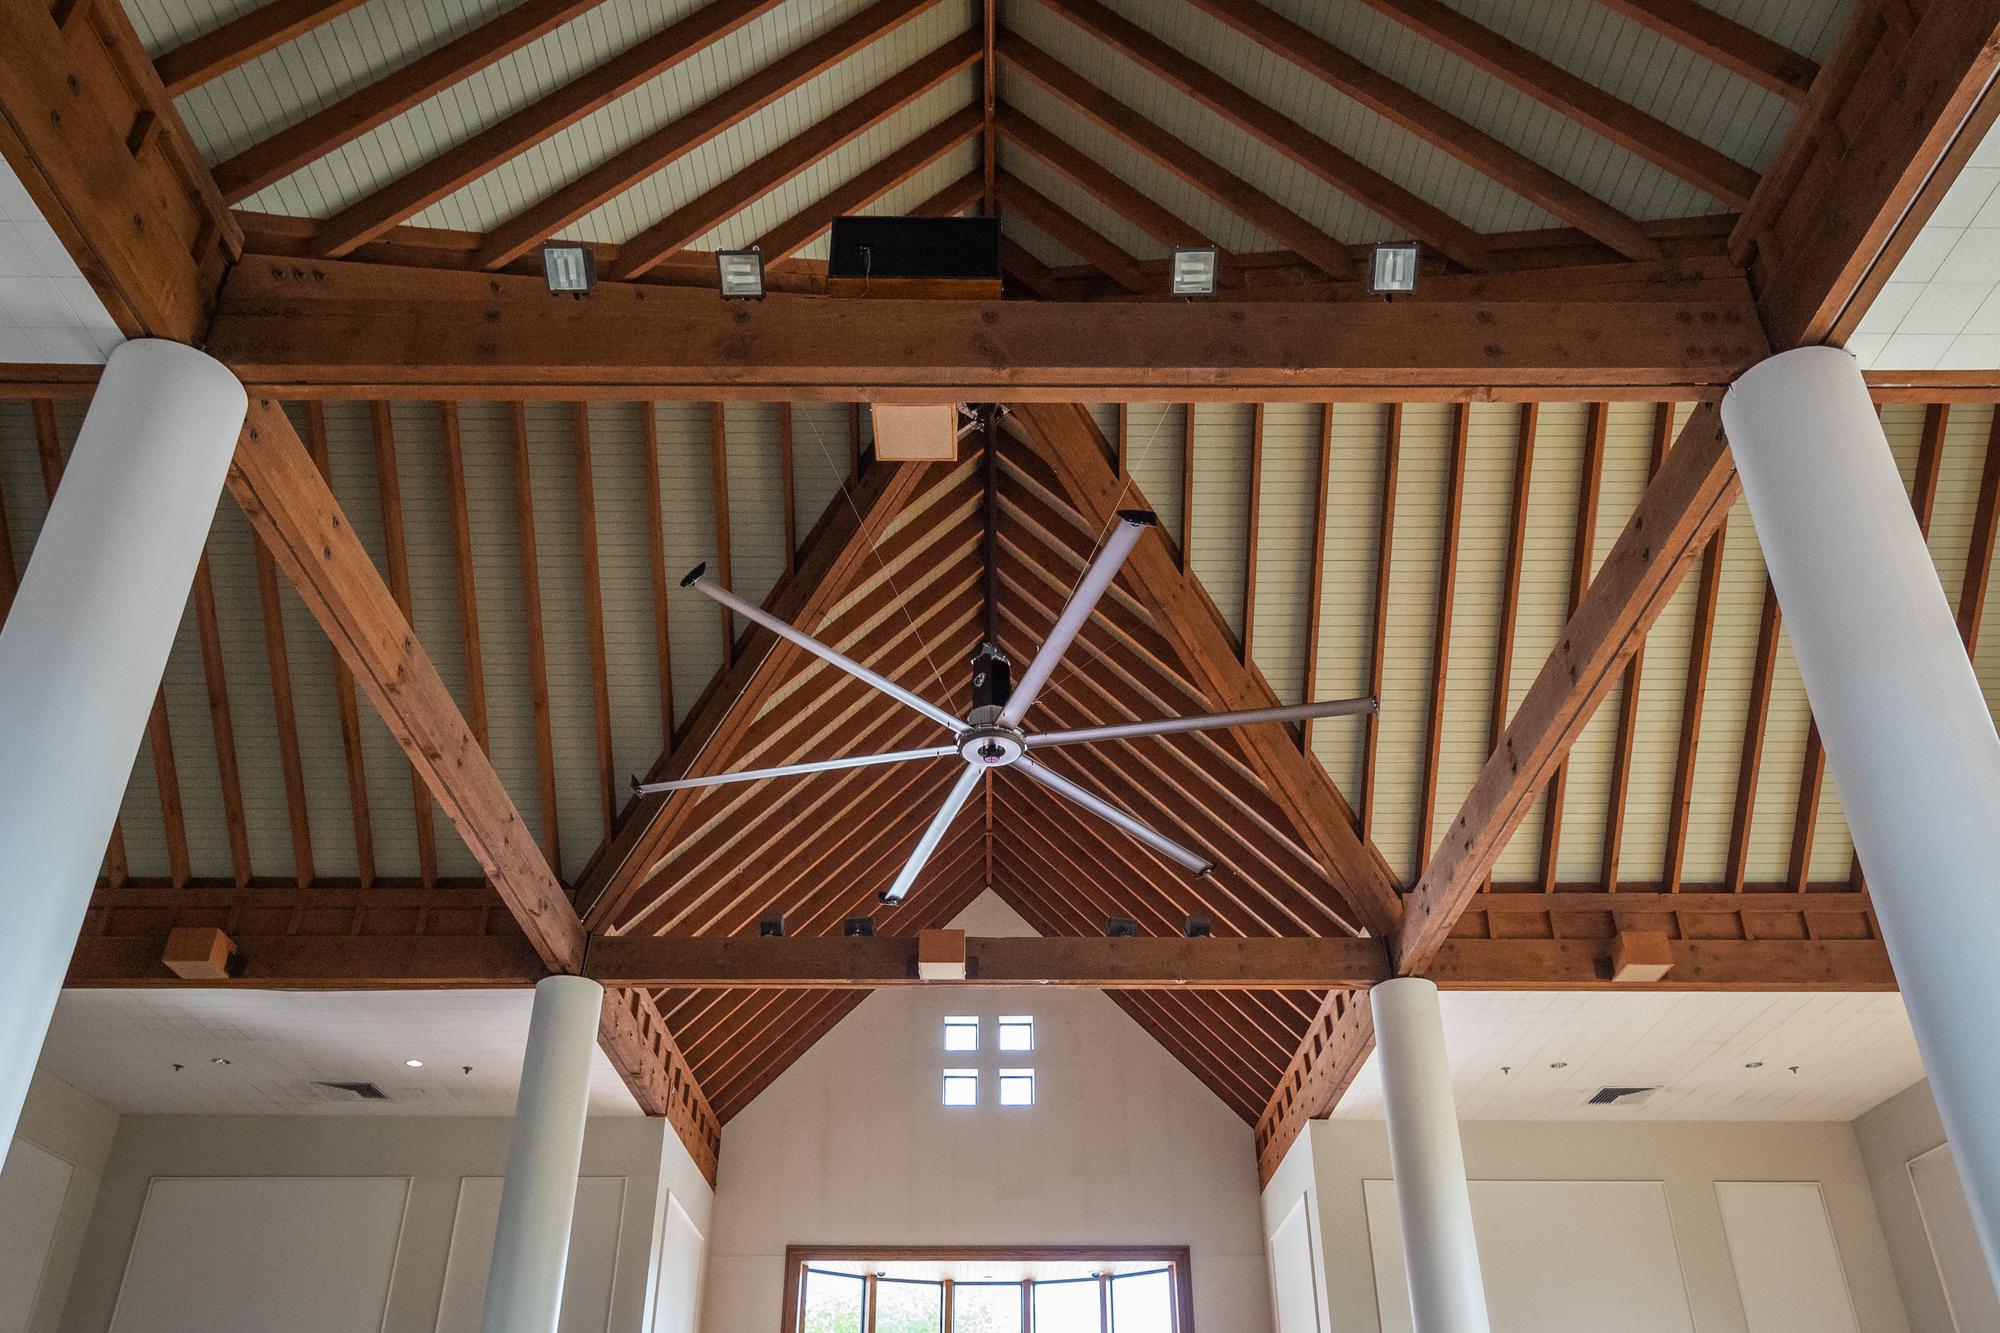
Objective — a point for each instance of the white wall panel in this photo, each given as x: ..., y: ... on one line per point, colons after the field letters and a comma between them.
x: 1787, y: 1266
x: 1295, y: 1294
x: 1961, y: 1263
x: 32, y: 1189
x: 593, y: 1254
x: 1559, y: 1256
x: 248, y: 1254
x: 682, y: 1249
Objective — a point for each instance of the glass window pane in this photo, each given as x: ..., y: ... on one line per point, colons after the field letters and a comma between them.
x: 1066, y: 1307
x: 1017, y: 1087
x: 1017, y: 1032
x: 961, y: 1087
x: 832, y: 1303
x: 1143, y: 1302
x: 908, y: 1307
x: 986, y: 1307
x: 961, y: 1034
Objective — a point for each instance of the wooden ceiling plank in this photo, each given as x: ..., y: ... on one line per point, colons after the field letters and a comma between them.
x: 656, y: 565
x: 1385, y: 541
x: 593, y: 611
x: 689, y: 131
x: 1770, y: 65
x: 1355, y: 179
x: 1172, y: 154
x: 345, y: 705
x: 221, y: 726
x: 241, y: 40
x: 1060, y: 156
x: 1069, y: 440
x: 1316, y: 582
x: 389, y: 488
x: 1680, y: 509
x: 1434, y: 125
x: 709, y: 210
x: 1250, y: 534
x: 1671, y: 150
x: 531, y: 621
x: 1051, y: 218
x: 1628, y: 694
x: 1581, y: 553
x: 468, y: 591
x: 1447, y: 596
x: 1694, y: 694
x: 836, y: 552
x: 374, y: 104
x: 857, y: 193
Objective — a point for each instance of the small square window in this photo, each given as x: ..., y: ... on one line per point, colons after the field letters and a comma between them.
x: 1017, y: 1032
x: 961, y: 1034
x: 1017, y: 1087
x: 961, y: 1087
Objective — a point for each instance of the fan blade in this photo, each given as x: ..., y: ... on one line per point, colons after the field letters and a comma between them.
x: 1110, y: 813
x: 1204, y: 722
x: 1132, y: 525
x: 790, y: 770
x: 758, y: 615
x: 954, y: 801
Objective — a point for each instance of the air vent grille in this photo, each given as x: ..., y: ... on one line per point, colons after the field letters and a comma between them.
x: 1620, y: 1096
x: 367, y: 1092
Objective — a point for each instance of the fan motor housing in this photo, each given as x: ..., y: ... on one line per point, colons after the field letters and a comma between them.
x: 991, y: 746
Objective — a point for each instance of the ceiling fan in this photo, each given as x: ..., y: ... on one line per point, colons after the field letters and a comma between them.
x: 991, y: 736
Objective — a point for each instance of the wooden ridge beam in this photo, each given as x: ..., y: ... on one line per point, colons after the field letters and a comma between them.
x: 1686, y: 502
x: 293, y: 327
x: 1067, y: 439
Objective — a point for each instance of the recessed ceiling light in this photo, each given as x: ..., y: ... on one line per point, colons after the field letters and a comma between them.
x: 218, y: 1060
x: 414, y: 1064
x: 1559, y: 1064
x: 1753, y: 1064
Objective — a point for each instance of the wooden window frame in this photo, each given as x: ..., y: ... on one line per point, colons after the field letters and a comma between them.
x: 1173, y: 1257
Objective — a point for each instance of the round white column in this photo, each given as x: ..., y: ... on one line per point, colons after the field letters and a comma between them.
x: 82, y: 653
x: 531, y: 1243
x: 1440, y: 1254
x: 1906, y: 728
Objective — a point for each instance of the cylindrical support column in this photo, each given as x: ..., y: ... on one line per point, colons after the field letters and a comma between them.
x: 531, y: 1243
x: 82, y: 652
x: 1439, y: 1252
x: 1906, y: 728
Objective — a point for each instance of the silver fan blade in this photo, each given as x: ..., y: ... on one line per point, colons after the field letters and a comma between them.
x: 790, y: 770
x: 1204, y: 722
x: 759, y: 615
x: 1132, y: 525
x: 1110, y: 813
x: 954, y: 801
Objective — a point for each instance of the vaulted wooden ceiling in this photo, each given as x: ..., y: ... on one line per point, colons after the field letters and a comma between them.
x: 1103, y: 135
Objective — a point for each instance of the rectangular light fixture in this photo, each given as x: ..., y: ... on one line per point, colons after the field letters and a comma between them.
x: 1393, y: 268
x: 1194, y: 271
x: 739, y: 274
x: 569, y: 267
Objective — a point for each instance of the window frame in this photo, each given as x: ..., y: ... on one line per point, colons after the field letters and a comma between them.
x: 1172, y: 1257
x: 1005, y: 1021
x: 960, y: 1021
x: 950, y: 1074
x: 1019, y: 1074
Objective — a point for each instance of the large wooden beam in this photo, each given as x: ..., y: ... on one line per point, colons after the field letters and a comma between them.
x: 1866, y: 163
x: 301, y: 326
x: 1685, y: 503
x: 1336, y: 1045
x: 1067, y: 438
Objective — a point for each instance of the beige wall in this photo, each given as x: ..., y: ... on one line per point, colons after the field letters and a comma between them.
x: 78, y: 1130
x: 851, y: 1144
x: 435, y: 1153
x: 1688, y: 1158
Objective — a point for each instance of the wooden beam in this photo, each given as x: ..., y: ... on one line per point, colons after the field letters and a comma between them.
x: 241, y: 40
x: 1378, y: 622
x: 1355, y: 179
x: 344, y: 702
x: 1051, y: 218
x: 1068, y: 440
x: 468, y: 594
x: 1337, y: 1043
x: 1059, y: 155
x: 694, y: 219
x: 1553, y: 86
x: 1628, y: 694
x: 294, y: 328
x: 687, y: 132
x: 1693, y: 695
x: 1447, y: 597
x: 458, y: 166
x: 222, y: 728
x: 389, y: 487
x: 301, y: 526
x: 1861, y: 172
x: 813, y: 221
x: 1316, y: 580
x: 531, y: 617
x: 1173, y: 155
x: 1684, y: 504
x: 1433, y: 124
x: 278, y: 657
x: 1582, y: 549
x: 1770, y: 65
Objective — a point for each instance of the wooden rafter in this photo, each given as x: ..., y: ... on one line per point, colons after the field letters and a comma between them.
x: 1447, y: 598
x: 1058, y: 154
x: 1582, y: 551
x: 389, y: 488
x: 242, y: 40
x: 1768, y: 64
x: 1628, y: 695
x: 812, y: 221
x: 1051, y: 218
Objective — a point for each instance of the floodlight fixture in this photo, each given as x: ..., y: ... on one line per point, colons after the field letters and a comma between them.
x: 569, y: 268
x: 1194, y: 271
x: 739, y: 274
x: 1393, y: 268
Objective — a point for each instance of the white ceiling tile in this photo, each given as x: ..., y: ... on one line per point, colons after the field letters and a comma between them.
x: 1971, y: 351
x: 1920, y: 262
x: 1913, y: 351
x: 1945, y: 307
x: 1974, y: 258
x: 1968, y: 194
x: 1890, y: 305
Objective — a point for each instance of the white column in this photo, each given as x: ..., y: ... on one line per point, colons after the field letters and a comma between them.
x: 531, y: 1244
x: 82, y: 653
x: 1906, y: 728
x: 1441, y: 1257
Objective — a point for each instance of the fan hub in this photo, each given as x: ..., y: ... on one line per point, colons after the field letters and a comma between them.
x: 991, y: 746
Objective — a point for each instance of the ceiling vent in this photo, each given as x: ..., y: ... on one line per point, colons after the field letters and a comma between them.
x: 337, y: 1090
x: 1621, y: 1096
